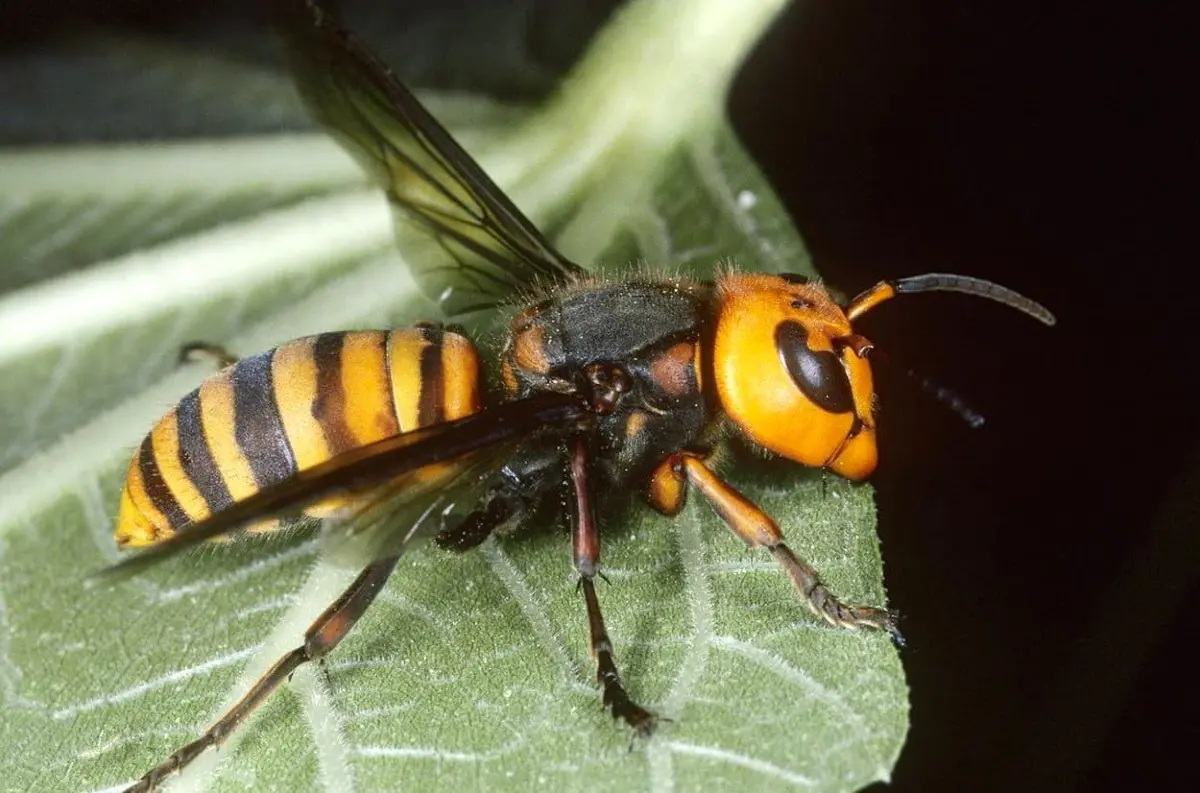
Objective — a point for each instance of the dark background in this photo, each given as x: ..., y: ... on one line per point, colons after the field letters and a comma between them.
x: 1045, y: 564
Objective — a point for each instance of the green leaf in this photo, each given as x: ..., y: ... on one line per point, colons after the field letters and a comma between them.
x: 471, y: 671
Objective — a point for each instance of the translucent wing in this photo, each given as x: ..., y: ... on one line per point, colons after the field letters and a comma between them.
x: 489, y: 251
x: 389, y: 521
x: 399, y: 482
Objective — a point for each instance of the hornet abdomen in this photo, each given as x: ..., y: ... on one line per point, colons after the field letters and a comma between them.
x: 266, y: 417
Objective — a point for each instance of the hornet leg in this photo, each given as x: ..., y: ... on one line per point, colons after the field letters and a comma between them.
x: 476, y: 526
x: 585, y: 540
x: 195, y: 350
x: 322, y: 636
x: 758, y: 529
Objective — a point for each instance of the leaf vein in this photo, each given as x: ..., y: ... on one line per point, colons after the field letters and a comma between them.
x: 713, y: 178
x: 736, y: 758
x: 695, y: 660
x: 179, y: 675
x: 533, y: 610
x: 792, y: 674
x: 326, y: 723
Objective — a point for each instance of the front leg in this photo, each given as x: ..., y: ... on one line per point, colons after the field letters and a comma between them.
x: 585, y: 541
x: 757, y: 528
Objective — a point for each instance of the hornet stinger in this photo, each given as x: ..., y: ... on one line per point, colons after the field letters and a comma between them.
x: 604, y: 386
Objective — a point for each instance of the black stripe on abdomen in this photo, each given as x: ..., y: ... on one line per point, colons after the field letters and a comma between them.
x: 431, y: 406
x: 329, y: 406
x: 258, y: 427
x: 195, y: 456
x: 156, y: 487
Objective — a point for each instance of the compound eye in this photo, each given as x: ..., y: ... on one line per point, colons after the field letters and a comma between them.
x: 819, y: 375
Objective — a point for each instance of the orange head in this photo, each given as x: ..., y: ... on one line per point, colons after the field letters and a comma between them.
x: 793, y: 375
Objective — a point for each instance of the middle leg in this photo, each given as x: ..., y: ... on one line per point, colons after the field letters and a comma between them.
x: 585, y: 541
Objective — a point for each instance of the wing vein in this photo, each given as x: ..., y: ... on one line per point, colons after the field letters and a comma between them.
x: 497, y: 251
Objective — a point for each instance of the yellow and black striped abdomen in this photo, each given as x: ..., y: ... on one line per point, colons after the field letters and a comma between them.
x: 268, y: 416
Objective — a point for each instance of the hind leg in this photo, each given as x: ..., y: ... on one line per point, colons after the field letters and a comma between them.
x: 195, y: 350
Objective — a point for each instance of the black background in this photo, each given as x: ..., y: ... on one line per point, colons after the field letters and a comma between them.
x: 1045, y: 564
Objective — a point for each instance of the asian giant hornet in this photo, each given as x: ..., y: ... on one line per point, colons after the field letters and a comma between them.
x: 607, y: 387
